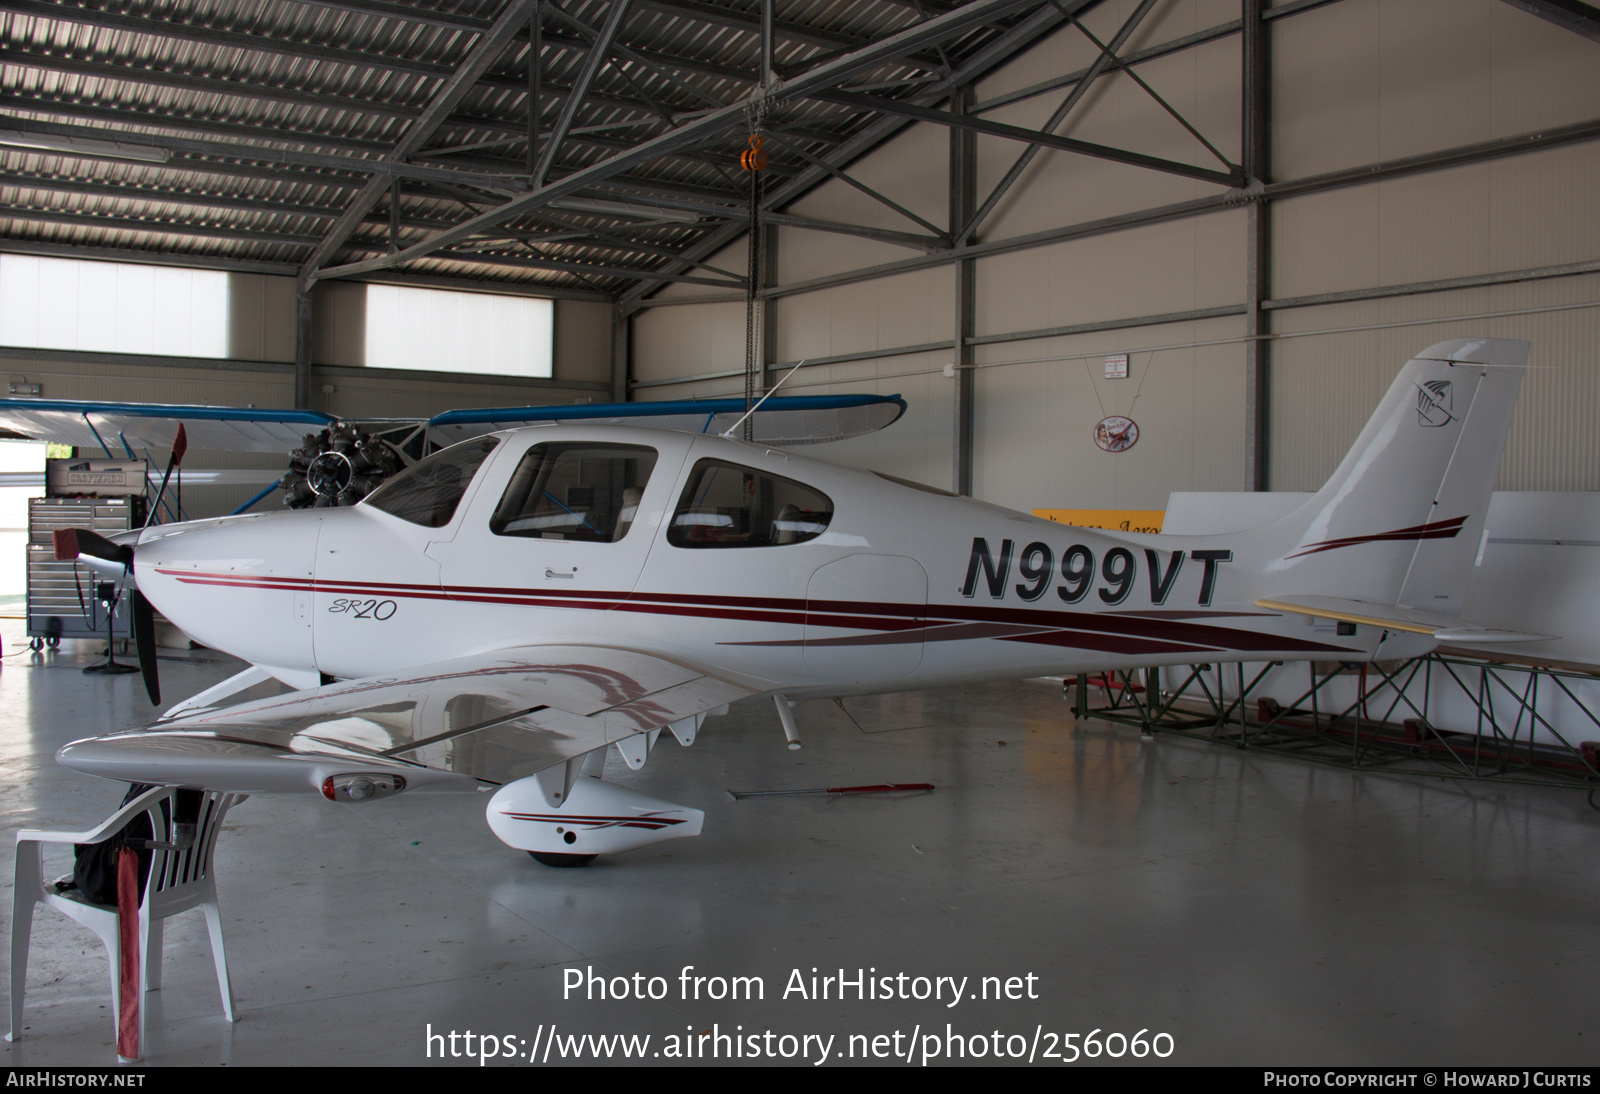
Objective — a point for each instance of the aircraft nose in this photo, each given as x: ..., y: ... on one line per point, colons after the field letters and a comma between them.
x: 239, y: 584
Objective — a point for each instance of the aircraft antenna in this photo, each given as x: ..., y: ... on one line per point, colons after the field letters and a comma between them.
x: 761, y: 400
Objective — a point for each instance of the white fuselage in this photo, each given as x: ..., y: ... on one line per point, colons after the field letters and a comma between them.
x: 905, y: 588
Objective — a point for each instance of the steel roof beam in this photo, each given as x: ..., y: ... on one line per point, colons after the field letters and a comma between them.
x: 156, y: 227
x: 603, y: 239
x: 789, y: 220
x: 580, y: 87
x: 410, y: 13
x: 260, y: 154
x: 484, y: 51
x: 734, y: 19
x: 70, y: 109
x: 799, y: 86
x: 173, y: 30
x: 1573, y: 15
x: 208, y: 84
x: 48, y: 249
x: 301, y: 98
x: 170, y: 197
x: 491, y: 258
x: 1023, y: 34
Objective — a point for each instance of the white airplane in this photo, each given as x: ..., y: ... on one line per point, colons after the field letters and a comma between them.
x: 506, y: 609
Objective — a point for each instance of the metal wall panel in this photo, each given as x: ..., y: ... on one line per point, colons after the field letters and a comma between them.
x: 1509, y: 214
x: 1177, y: 266
x: 909, y: 168
x: 261, y: 317
x: 1325, y: 385
x: 885, y: 313
x: 1035, y: 422
x: 583, y: 341
x: 1063, y: 188
x: 687, y: 339
x: 1367, y: 80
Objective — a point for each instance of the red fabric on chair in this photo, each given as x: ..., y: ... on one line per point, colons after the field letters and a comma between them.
x: 128, y: 990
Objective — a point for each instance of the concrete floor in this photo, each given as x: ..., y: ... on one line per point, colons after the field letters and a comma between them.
x: 1256, y: 910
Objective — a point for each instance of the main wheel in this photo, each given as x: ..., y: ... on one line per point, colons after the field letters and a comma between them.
x: 556, y: 858
x: 52, y: 642
x: 36, y: 644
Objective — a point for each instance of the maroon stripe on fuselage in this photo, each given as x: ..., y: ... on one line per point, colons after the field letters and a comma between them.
x: 1440, y: 529
x: 1169, y: 629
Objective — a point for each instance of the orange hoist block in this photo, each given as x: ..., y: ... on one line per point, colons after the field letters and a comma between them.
x: 753, y: 158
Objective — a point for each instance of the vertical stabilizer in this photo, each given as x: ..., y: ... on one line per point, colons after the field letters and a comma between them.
x: 1400, y: 521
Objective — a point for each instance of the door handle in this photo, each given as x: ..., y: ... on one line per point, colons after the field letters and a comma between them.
x: 552, y: 573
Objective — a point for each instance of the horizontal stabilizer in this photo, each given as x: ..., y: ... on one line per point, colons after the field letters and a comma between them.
x: 1395, y: 618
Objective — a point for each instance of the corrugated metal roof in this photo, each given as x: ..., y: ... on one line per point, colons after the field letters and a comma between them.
x: 242, y: 131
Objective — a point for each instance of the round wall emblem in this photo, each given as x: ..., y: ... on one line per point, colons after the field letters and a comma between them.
x: 1116, y: 433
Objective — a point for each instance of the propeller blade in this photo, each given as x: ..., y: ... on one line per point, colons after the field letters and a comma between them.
x: 72, y: 542
x: 144, y: 641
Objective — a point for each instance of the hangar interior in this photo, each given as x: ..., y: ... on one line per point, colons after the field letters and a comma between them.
x: 1266, y: 207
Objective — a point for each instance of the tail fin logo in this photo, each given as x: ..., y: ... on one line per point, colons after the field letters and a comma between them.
x: 1435, y: 403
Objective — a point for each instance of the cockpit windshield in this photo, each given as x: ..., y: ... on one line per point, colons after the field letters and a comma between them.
x: 428, y: 491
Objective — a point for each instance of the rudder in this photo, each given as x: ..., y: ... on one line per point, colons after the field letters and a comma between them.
x: 1400, y: 521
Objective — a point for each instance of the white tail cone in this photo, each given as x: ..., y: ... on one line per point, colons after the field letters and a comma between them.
x: 598, y: 818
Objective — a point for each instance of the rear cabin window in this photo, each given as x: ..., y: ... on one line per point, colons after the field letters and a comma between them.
x: 577, y: 491
x: 428, y: 491
x: 726, y: 505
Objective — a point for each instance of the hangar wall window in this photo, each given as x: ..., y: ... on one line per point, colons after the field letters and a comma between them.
x: 112, y: 307
x: 439, y: 331
x: 726, y: 505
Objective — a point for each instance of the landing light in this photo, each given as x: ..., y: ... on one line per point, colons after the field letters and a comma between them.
x: 360, y: 788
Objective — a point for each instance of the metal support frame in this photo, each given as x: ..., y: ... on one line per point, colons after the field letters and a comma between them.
x: 535, y: 76
x: 819, y: 77
x: 302, y: 351
x: 969, y: 227
x: 1389, y: 728
x: 768, y: 304
x: 963, y: 186
x: 485, y: 51
x: 621, y: 354
x: 580, y: 88
x: 1256, y: 141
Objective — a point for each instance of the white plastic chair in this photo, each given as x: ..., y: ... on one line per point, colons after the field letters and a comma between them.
x: 179, y: 880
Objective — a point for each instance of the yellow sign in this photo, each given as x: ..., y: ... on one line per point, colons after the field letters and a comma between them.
x: 1116, y: 520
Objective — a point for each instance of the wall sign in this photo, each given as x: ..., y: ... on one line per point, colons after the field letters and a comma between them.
x: 1116, y: 433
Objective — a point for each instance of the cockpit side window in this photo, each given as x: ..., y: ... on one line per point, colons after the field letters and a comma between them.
x: 428, y: 491
x: 725, y: 505
x: 575, y: 491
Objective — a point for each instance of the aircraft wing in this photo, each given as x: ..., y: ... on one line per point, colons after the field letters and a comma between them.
x: 800, y: 419
x: 1442, y: 627
x: 492, y: 718
x: 792, y: 419
x: 152, y: 425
